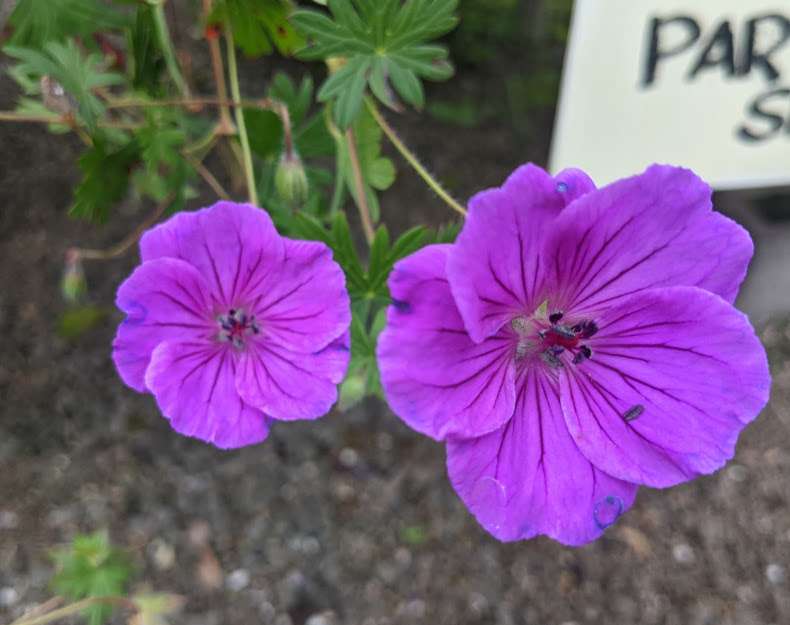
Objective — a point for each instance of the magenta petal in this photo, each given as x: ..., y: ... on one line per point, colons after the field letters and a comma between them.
x: 435, y: 377
x: 494, y: 267
x: 227, y: 243
x: 163, y: 299
x: 573, y: 183
x: 675, y: 375
x: 653, y: 230
x: 302, y: 303
x: 290, y: 385
x: 529, y: 478
x: 193, y: 383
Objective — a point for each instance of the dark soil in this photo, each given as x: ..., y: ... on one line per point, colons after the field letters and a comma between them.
x: 350, y: 519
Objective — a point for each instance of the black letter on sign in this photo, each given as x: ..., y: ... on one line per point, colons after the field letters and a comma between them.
x: 722, y: 39
x: 774, y: 120
x: 762, y: 59
x: 656, y: 52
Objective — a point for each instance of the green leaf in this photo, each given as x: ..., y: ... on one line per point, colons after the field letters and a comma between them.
x: 259, y: 26
x: 386, y: 45
x: 36, y: 22
x: 91, y: 567
x: 165, y: 170
x: 65, y: 63
x: 265, y: 132
x: 363, y: 377
x: 146, y: 60
x: 105, y: 179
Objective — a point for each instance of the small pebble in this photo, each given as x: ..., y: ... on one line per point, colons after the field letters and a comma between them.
x: 323, y: 618
x: 737, y: 473
x: 8, y: 597
x: 478, y: 603
x: 775, y: 573
x: 238, y: 580
x: 348, y: 457
x: 683, y: 553
x: 8, y: 520
x: 384, y: 441
x: 163, y: 555
x: 413, y: 610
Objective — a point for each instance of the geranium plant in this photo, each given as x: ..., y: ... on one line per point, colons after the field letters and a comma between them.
x: 571, y: 344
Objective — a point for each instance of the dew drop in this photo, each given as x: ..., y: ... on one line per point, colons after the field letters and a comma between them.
x: 489, y: 497
x: 607, y: 511
x: 401, y: 306
x: 562, y: 187
x: 136, y: 313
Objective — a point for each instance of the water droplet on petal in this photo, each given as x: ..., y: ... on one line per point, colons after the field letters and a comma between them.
x: 136, y: 313
x: 562, y: 187
x: 489, y: 497
x: 607, y: 511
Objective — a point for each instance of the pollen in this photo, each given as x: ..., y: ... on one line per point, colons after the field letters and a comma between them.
x: 236, y: 326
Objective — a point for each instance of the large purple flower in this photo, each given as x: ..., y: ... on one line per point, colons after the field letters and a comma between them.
x: 575, y: 343
x: 230, y: 325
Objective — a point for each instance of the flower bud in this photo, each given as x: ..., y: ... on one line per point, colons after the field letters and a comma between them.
x: 290, y: 179
x: 73, y: 285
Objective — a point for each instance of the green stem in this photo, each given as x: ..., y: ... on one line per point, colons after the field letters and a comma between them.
x: 163, y: 34
x: 233, y: 75
x: 74, y: 608
x: 410, y: 158
x: 338, y: 195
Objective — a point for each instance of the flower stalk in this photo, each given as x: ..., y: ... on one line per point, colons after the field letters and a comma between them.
x: 235, y: 91
x: 359, y: 185
x: 412, y: 160
x: 163, y: 34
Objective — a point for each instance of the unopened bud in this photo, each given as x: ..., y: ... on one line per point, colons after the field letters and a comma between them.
x: 73, y: 285
x: 290, y: 179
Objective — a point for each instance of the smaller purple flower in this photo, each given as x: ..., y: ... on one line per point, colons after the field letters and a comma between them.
x: 574, y: 344
x: 229, y: 325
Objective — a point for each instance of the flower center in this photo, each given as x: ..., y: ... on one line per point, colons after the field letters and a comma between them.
x: 235, y: 326
x: 550, y: 339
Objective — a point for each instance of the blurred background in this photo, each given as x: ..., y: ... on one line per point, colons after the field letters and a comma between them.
x: 351, y: 519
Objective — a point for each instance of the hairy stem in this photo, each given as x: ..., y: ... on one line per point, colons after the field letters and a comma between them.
x: 129, y: 240
x: 65, y: 120
x: 235, y: 92
x: 361, y: 197
x: 74, y: 608
x: 412, y: 160
x: 206, y: 174
x: 163, y: 34
x: 225, y: 123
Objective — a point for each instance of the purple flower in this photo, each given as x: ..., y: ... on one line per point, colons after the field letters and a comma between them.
x: 575, y: 343
x: 230, y: 325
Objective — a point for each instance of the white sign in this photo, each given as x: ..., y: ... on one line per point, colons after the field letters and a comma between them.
x: 700, y: 83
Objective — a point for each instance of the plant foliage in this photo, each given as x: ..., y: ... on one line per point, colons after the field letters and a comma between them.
x: 384, y: 44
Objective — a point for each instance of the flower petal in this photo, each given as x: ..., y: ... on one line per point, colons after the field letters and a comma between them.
x: 227, y: 243
x: 302, y: 303
x: 494, y: 267
x: 290, y: 385
x: 529, y: 478
x: 193, y: 383
x: 164, y: 299
x: 435, y: 377
x: 652, y: 230
x: 573, y: 183
x: 674, y: 377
